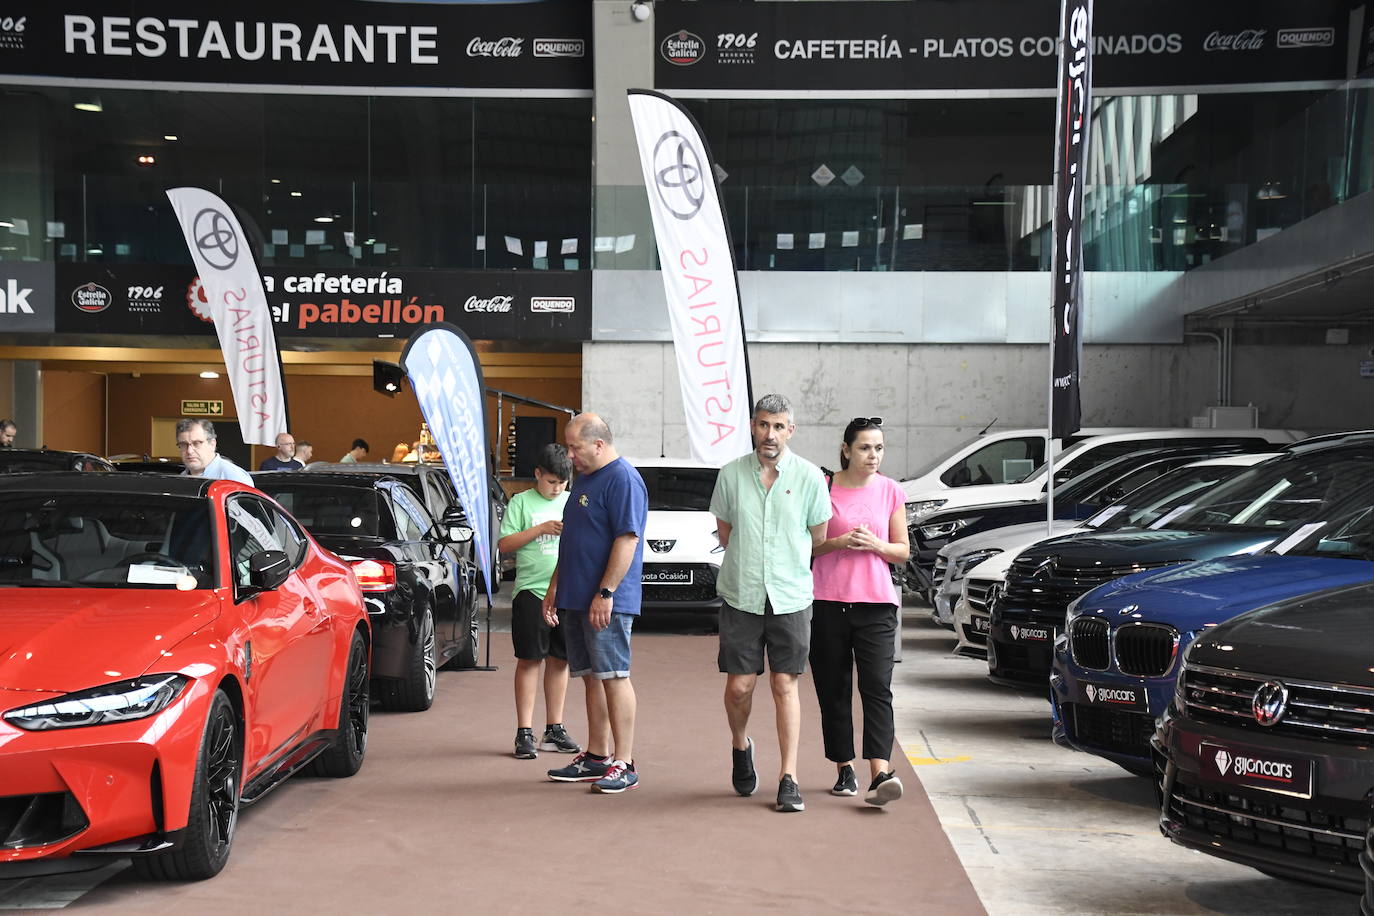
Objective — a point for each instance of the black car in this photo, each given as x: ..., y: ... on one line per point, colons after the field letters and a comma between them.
x: 416, y: 573
x: 28, y: 460
x: 432, y: 482
x: 1264, y: 756
x: 146, y: 464
x: 1079, y: 497
x: 1244, y: 515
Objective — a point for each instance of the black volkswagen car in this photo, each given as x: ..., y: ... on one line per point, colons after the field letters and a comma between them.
x: 1244, y: 515
x: 416, y: 573
x: 1264, y: 756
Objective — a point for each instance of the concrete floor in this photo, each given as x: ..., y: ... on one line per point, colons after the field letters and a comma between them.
x: 1045, y: 830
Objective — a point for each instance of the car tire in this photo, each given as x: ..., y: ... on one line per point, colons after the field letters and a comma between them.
x: 415, y: 691
x: 209, y: 834
x: 467, y: 656
x: 344, y: 756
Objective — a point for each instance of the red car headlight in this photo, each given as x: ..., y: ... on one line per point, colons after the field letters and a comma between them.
x: 122, y: 701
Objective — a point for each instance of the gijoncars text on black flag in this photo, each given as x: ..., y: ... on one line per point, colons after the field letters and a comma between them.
x: 1070, y: 170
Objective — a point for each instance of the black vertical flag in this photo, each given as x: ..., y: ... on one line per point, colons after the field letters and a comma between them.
x: 1070, y: 169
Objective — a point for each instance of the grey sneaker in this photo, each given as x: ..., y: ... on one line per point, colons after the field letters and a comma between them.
x: 556, y: 739
x: 524, y: 745
x: 847, y: 784
x: 744, y: 779
x: 789, y: 796
x: 618, y: 778
x: 584, y: 768
x: 886, y: 787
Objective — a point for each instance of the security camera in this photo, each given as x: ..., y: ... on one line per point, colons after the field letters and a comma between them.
x: 641, y: 9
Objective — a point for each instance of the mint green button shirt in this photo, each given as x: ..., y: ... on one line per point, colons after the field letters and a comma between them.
x: 769, y: 555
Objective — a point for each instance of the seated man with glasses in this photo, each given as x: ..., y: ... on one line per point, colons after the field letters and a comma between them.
x: 196, y: 442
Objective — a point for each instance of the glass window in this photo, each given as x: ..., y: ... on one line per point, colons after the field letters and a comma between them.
x: 252, y: 529
x: 680, y: 489
x: 413, y: 523
x: 332, y: 510
x: 1004, y: 461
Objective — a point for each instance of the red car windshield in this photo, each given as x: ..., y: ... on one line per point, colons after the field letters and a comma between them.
x: 104, y: 540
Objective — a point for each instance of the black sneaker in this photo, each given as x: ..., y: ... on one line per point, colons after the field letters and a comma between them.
x: 789, y: 796
x: 847, y: 784
x: 556, y: 739
x: 584, y: 768
x: 744, y: 779
x: 885, y: 787
x: 524, y: 744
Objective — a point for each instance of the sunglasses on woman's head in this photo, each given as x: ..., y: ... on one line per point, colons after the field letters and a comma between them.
x: 865, y: 422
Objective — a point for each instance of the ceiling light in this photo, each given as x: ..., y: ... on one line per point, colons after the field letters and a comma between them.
x: 170, y: 137
x: 146, y: 161
x: 276, y: 181
x: 90, y: 105
x: 6, y: 224
x: 295, y: 193
x: 209, y: 373
x: 324, y: 219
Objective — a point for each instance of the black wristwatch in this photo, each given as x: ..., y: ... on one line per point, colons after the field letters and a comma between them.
x: 605, y: 593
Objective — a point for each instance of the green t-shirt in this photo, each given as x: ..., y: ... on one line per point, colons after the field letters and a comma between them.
x: 535, y: 561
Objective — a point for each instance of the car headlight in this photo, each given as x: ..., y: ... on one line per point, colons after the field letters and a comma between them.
x: 1071, y: 611
x: 945, y: 529
x: 920, y: 507
x: 122, y: 701
x: 960, y: 567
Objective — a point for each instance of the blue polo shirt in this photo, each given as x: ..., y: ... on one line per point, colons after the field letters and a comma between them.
x: 601, y: 507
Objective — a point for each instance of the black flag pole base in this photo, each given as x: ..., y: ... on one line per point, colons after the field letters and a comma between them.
x: 488, y: 666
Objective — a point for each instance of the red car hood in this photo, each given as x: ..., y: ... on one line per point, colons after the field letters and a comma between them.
x: 60, y: 640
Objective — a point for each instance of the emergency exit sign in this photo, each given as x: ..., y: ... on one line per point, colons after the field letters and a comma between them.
x: 202, y: 408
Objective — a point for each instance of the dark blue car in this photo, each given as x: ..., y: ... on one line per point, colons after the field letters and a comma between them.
x: 1115, y: 672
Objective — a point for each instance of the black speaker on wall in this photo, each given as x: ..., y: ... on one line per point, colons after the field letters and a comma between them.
x: 531, y: 435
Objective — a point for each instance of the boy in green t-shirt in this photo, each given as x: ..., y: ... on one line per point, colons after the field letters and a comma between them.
x: 530, y: 530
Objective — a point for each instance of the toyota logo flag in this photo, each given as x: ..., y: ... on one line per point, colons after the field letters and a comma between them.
x: 238, y: 306
x: 698, y: 267
x: 447, y: 378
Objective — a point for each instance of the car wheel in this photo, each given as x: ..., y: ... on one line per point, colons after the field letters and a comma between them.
x: 467, y: 656
x: 415, y: 691
x: 214, y: 811
x: 344, y: 756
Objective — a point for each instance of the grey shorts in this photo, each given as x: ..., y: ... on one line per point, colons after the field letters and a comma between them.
x: 744, y: 638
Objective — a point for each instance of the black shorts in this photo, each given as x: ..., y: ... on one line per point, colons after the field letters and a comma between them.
x: 534, y: 640
x: 745, y: 637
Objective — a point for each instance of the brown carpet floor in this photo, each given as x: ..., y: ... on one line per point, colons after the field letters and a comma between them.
x: 443, y: 819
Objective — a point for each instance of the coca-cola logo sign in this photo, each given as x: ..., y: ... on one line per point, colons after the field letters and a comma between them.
x: 498, y: 47
x: 1244, y: 40
x: 490, y: 304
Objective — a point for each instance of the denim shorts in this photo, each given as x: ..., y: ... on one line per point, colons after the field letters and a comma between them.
x: 604, y: 654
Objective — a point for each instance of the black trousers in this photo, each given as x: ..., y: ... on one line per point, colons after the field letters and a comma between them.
x: 845, y: 636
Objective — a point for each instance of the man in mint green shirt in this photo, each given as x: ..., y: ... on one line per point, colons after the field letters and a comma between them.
x: 531, y: 529
x: 771, y: 508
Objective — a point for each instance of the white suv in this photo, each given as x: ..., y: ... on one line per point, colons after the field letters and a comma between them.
x: 681, y: 551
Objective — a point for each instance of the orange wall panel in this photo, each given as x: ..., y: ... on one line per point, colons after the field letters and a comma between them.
x: 74, y: 411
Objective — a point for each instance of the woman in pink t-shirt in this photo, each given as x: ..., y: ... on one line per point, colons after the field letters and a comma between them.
x: 856, y: 610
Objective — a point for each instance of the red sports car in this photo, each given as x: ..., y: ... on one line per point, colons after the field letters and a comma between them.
x: 170, y: 647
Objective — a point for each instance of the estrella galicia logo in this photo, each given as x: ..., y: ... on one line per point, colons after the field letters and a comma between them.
x: 216, y: 239
x: 682, y: 48
x: 679, y: 177
x: 91, y: 298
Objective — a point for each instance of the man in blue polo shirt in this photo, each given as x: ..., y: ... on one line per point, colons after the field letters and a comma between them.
x: 595, y: 594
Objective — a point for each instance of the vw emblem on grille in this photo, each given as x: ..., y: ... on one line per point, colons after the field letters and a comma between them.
x: 1044, y: 568
x: 661, y: 546
x: 1270, y: 703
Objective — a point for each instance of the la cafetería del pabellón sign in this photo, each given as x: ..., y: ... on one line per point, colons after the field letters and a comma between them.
x: 933, y: 47
x: 163, y: 299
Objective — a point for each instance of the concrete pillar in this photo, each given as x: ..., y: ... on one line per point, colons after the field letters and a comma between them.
x: 21, y: 399
x: 624, y: 60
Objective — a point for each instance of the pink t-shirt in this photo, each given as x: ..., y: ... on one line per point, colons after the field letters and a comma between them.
x: 859, y: 575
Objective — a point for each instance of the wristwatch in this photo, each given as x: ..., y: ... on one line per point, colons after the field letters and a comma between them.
x: 605, y: 593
